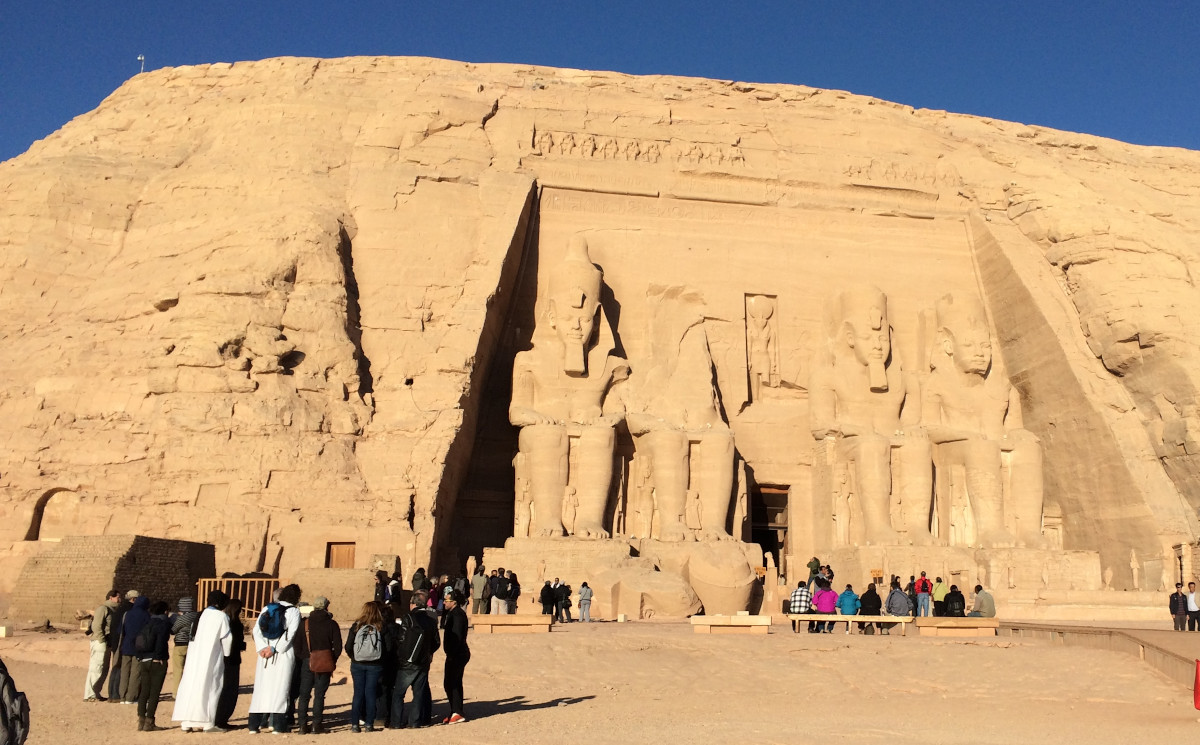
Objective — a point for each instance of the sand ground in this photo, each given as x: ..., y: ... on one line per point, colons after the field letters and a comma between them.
x: 653, y: 682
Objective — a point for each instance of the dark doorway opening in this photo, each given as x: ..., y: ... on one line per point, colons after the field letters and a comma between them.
x: 768, y: 520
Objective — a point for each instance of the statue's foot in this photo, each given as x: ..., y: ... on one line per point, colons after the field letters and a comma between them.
x: 922, y: 539
x: 548, y: 533
x: 887, y: 537
x: 713, y: 536
x: 590, y: 531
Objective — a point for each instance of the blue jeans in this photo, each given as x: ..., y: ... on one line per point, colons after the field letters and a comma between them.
x: 922, y: 604
x: 366, y: 685
x: 407, y: 677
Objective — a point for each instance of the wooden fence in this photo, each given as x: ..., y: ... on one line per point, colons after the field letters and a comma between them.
x: 254, y: 593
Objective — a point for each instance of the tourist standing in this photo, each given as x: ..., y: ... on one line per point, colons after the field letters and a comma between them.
x: 232, y: 675
x: 923, y: 588
x: 274, y: 636
x: 488, y: 584
x: 364, y: 647
x: 182, y: 624
x: 131, y: 675
x: 514, y: 592
x: 100, y: 629
x: 478, y: 584
x: 814, y: 570
x: 204, y: 671
x: 419, y: 580
x: 546, y: 598
x: 458, y: 654
x: 321, y: 642
x: 1177, y: 604
x: 381, y: 586
x: 152, y: 659
x: 114, y: 646
x: 911, y: 591
x: 870, y: 604
x: 1193, y: 609
x: 500, y: 592
x: 939, y: 597
x: 418, y: 640
x: 799, y: 603
x: 585, y: 603
x: 985, y: 606
x: 395, y: 585
x: 562, y: 599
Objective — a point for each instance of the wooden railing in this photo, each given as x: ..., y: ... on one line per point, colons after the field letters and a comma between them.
x: 254, y: 593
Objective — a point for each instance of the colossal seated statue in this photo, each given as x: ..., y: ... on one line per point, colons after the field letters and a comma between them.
x: 683, y: 444
x: 561, y: 401
x: 972, y: 415
x: 861, y: 399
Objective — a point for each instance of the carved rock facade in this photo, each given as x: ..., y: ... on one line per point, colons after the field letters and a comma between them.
x: 281, y: 314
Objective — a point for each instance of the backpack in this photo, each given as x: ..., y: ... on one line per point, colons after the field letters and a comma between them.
x: 144, y: 642
x: 273, y: 622
x: 501, y: 590
x: 367, y: 646
x: 14, y: 711
x: 414, y: 643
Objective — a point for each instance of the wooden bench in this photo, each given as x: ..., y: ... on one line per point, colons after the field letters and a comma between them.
x: 903, y: 621
x: 945, y: 626
x: 486, y: 623
x: 740, y: 624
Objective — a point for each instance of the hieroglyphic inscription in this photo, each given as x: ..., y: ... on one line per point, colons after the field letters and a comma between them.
x: 600, y: 147
x: 891, y: 172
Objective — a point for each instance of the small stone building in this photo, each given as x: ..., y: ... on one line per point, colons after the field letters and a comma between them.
x: 76, y: 574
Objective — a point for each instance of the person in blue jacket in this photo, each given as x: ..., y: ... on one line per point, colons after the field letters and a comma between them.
x: 848, y: 604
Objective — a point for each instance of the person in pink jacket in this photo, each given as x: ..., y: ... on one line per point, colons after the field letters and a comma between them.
x: 824, y: 601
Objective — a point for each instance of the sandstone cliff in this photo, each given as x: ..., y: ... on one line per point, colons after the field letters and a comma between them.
x: 258, y: 304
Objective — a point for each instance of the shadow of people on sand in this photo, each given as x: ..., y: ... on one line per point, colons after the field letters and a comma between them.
x: 484, y: 709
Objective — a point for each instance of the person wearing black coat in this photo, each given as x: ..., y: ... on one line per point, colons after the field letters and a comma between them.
x: 390, y: 635
x: 546, y: 598
x: 317, y: 632
x: 956, y: 604
x: 870, y: 604
x: 232, y: 678
x: 562, y: 603
x: 458, y: 654
x: 131, y: 675
x: 114, y: 646
x: 152, y: 661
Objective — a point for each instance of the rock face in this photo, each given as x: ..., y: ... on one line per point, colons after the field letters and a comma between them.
x: 276, y: 305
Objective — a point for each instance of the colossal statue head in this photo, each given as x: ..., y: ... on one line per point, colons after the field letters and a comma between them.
x: 963, y: 334
x: 862, y: 326
x: 573, y: 303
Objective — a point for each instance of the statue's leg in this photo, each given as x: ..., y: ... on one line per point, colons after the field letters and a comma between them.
x: 1025, y: 498
x: 872, y: 456
x: 669, y: 453
x: 914, y: 484
x: 981, y: 459
x: 545, y: 447
x: 716, y: 483
x: 595, y: 464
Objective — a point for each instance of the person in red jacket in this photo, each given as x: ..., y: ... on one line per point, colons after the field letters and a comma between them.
x: 923, y: 587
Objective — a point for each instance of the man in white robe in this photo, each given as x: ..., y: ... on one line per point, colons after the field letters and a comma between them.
x: 276, y: 663
x: 204, y: 669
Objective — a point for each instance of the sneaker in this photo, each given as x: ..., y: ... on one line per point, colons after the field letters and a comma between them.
x: 355, y: 728
x: 215, y: 728
x: 455, y: 719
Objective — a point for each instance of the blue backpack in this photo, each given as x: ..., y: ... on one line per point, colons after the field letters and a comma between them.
x: 272, y: 623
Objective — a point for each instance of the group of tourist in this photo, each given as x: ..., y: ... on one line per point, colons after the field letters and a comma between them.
x: 555, y: 598
x: 1185, y: 611
x: 494, y: 593
x: 390, y: 647
x: 921, y: 596
x: 131, y: 645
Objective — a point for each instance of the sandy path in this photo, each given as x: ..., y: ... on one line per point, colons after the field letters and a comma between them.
x: 648, y: 682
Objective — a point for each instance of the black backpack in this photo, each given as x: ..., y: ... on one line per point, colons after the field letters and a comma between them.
x: 501, y: 590
x: 414, y: 643
x: 14, y: 711
x: 143, y: 643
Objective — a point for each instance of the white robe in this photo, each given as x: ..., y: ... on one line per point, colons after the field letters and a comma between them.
x: 204, y: 671
x: 273, y: 676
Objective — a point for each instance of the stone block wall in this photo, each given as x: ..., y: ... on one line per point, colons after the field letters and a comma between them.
x: 76, y: 574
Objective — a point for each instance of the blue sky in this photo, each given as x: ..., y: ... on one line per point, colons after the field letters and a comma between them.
x: 1127, y: 70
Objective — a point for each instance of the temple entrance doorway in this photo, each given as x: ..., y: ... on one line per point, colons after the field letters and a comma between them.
x: 339, y: 556
x: 768, y: 519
